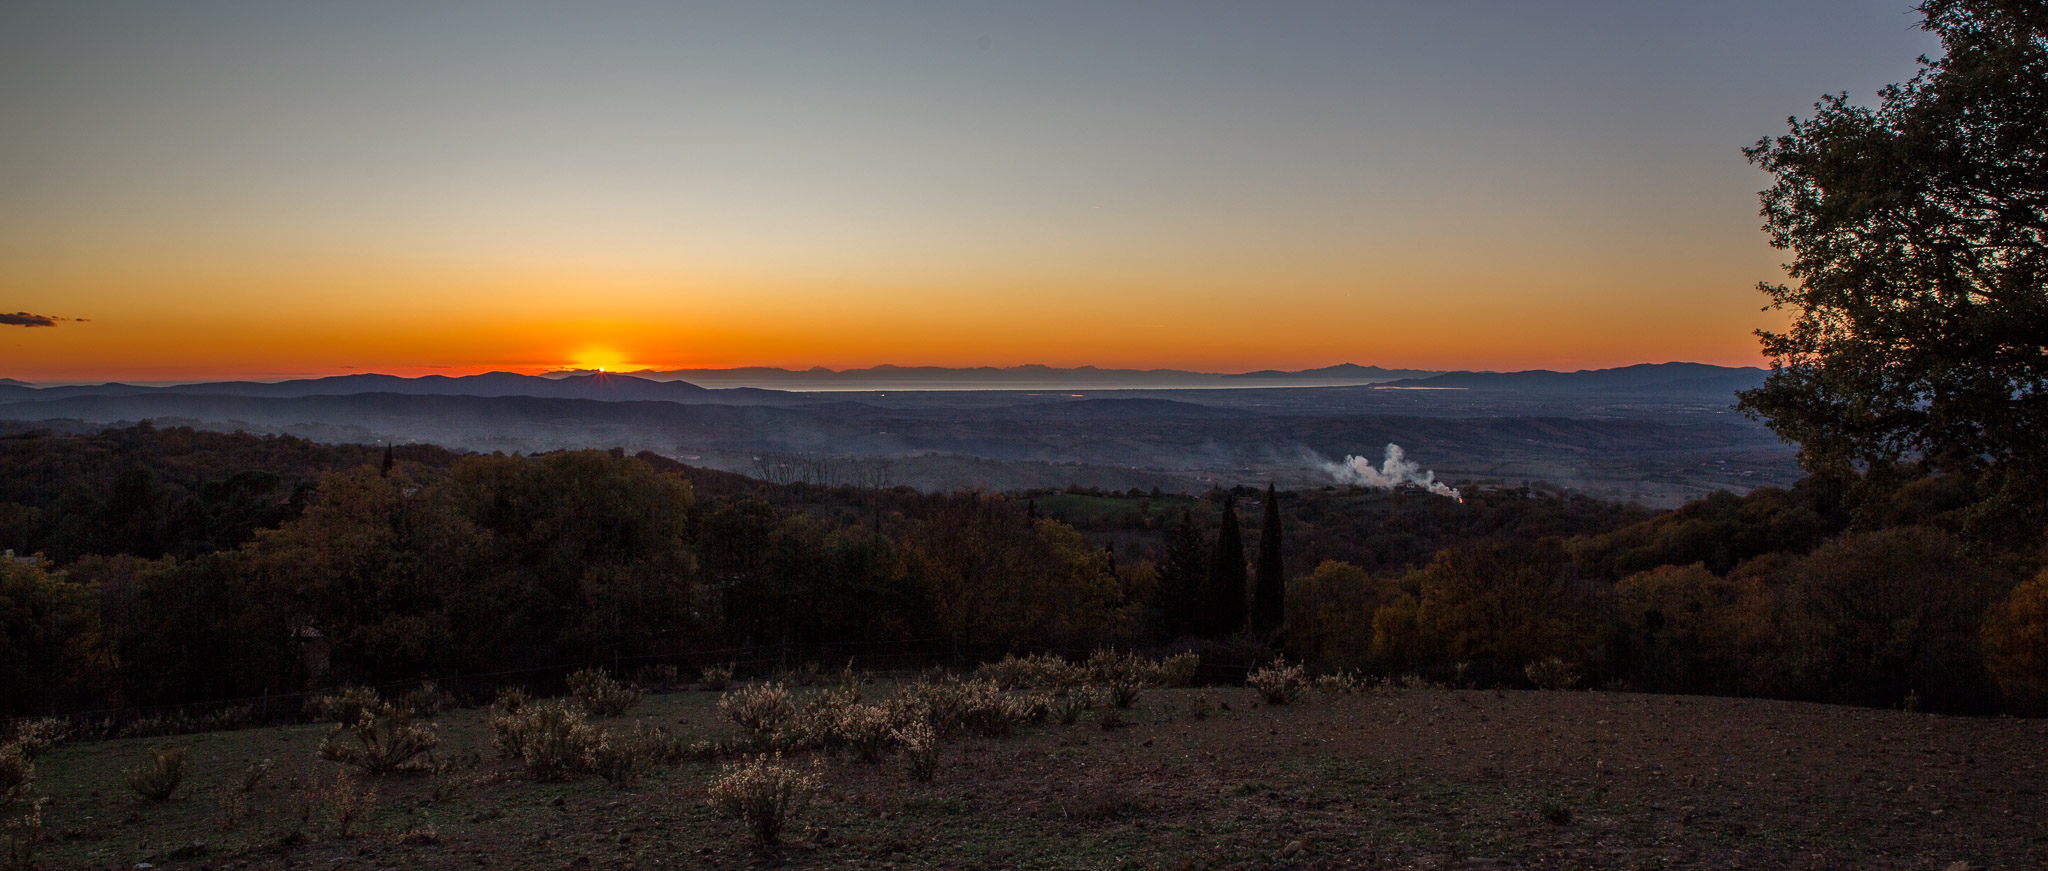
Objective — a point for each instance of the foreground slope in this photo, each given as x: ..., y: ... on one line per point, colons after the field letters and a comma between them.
x: 1421, y: 778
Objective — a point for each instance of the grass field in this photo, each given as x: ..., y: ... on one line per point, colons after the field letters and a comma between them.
x: 1420, y: 778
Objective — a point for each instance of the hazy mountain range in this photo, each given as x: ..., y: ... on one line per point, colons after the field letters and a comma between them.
x: 766, y: 385
x: 1028, y: 377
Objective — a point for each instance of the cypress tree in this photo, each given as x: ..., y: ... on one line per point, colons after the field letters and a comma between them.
x: 1269, y: 588
x: 1183, y: 579
x: 1226, y: 576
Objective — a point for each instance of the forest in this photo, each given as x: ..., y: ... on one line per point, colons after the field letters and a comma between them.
x: 170, y: 567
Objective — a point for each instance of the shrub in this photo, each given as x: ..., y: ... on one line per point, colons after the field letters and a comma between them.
x: 428, y: 699
x: 818, y: 724
x: 656, y: 678
x: 1338, y: 683
x: 509, y: 701
x: 385, y: 740
x: 1109, y: 667
x: 1123, y: 694
x: 602, y: 696
x: 159, y: 776
x: 346, y: 804
x: 1067, y: 708
x: 253, y: 776
x: 865, y: 729
x: 762, y: 711
x: 620, y: 758
x: 345, y: 706
x: 1177, y: 670
x: 1279, y: 683
x: 36, y: 737
x: 551, y: 739
x: 715, y: 678
x: 918, y: 749
x: 763, y: 794
x: 16, y: 771
x: 1552, y: 674
x: 987, y: 711
x: 19, y: 837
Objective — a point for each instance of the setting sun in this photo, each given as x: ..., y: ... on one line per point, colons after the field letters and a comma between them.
x: 598, y: 358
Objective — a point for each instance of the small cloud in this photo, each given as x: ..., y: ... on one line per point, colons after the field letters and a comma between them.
x: 24, y: 319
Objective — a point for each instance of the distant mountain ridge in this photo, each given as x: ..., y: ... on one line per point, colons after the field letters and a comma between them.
x: 1031, y: 376
x: 602, y: 386
x: 1700, y: 378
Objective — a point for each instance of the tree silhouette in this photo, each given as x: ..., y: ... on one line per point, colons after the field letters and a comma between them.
x: 1224, y: 605
x: 1269, y: 590
x: 1919, y: 240
x: 1183, y: 578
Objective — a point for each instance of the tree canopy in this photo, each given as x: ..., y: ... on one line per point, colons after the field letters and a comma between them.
x: 1919, y: 239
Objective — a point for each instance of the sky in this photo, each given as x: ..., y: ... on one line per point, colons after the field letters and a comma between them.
x: 269, y: 190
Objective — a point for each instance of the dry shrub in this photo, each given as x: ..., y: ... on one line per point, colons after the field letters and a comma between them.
x: 345, y: 706
x: 1110, y: 667
x: 762, y: 711
x: 917, y: 749
x: 622, y: 757
x: 234, y: 801
x: 36, y: 737
x: 867, y: 730
x: 1124, y: 694
x: 385, y: 739
x: 715, y: 678
x: 1178, y: 670
x: 818, y: 723
x: 1036, y: 707
x: 509, y: 701
x: 656, y: 678
x: 160, y: 775
x: 763, y: 794
x: 1279, y: 683
x: 347, y: 803
x: 985, y: 710
x: 600, y: 695
x: 19, y: 837
x: 551, y: 739
x: 1067, y: 707
x: 1037, y: 671
x: 16, y: 774
x: 1552, y: 674
x: 977, y: 706
x: 1341, y: 683
x: 429, y: 699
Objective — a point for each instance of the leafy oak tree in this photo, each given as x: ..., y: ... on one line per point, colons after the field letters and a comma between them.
x: 1919, y: 239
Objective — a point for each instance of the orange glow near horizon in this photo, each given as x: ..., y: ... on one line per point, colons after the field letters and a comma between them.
x: 465, y: 327
x: 1228, y: 314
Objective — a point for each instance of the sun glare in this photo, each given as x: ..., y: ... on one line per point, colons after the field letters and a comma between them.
x: 598, y: 358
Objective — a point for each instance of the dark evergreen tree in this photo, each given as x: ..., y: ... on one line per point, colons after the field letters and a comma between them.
x: 1183, y: 578
x: 1269, y: 590
x: 1226, y: 606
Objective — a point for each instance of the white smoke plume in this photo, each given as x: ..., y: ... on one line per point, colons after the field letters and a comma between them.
x: 1393, y: 472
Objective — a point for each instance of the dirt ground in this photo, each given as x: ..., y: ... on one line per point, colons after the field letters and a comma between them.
x: 1421, y: 778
